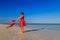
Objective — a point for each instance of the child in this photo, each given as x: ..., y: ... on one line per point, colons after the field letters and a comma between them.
x: 11, y: 24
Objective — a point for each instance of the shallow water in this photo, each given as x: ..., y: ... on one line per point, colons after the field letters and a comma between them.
x: 46, y: 26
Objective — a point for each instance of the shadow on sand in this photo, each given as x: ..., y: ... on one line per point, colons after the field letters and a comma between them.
x: 34, y: 30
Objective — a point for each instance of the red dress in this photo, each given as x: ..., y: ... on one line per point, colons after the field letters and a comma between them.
x: 22, y: 22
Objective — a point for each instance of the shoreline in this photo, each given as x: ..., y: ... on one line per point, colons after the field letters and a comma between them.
x: 37, y: 23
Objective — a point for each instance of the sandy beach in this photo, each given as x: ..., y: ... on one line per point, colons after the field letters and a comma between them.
x: 29, y: 34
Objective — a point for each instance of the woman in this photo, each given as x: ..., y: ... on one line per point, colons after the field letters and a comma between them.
x: 21, y: 23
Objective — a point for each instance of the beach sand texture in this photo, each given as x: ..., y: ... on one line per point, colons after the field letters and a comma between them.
x: 33, y: 34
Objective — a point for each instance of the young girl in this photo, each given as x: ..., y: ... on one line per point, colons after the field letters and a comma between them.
x: 21, y: 23
x: 11, y: 24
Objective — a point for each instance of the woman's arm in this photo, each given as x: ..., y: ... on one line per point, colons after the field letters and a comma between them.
x: 17, y: 19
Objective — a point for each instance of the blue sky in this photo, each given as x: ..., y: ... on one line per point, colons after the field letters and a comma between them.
x: 36, y: 11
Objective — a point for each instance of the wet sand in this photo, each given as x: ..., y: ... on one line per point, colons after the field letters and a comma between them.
x: 29, y: 34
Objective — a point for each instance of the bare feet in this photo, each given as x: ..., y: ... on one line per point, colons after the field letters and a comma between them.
x: 20, y: 33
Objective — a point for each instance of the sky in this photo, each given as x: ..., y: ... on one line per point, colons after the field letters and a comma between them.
x: 35, y: 11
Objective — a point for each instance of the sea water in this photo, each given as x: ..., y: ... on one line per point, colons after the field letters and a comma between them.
x: 49, y: 26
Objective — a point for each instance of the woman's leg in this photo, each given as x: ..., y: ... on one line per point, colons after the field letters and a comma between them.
x: 21, y: 30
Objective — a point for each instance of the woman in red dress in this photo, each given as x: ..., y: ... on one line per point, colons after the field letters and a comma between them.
x: 21, y: 22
